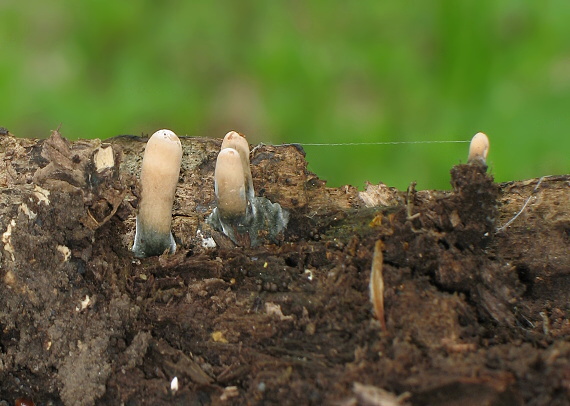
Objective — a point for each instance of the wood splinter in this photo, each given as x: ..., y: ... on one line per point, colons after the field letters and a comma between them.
x: 377, y: 284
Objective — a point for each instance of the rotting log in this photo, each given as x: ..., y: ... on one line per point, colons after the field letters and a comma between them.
x: 82, y: 319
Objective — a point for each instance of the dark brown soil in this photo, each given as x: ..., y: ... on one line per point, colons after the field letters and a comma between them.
x: 477, y: 313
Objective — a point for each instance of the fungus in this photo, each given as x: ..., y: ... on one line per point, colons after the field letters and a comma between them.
x: 159, y: 177
x: 238, y: 142
x: 239, y: 214
x: 230, y: 184
x: 479, y: 148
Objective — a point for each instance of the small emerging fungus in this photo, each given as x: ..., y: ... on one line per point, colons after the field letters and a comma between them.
x: 239, y: 214
x: 229, y: 184
x: 479, y: 148
x: 238, y: 142
x: 159, y: 177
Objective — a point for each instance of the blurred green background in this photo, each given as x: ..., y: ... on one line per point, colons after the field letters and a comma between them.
x: 313, y: 72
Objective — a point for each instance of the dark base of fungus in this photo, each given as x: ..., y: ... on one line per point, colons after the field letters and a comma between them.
x: 149, y: 243
x: 265, y: 223
x: 473, y: 315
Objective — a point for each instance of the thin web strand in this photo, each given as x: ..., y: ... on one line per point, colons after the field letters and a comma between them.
x: 343, y: 144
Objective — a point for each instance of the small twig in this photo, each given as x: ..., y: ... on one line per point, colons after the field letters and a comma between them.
x: 545, y: 323
x: 409, y: 202
x: 254, y: 150
x: 524, y: 206
x: 410, y: 207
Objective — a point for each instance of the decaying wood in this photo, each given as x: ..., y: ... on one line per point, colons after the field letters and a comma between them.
x: 475, y: 286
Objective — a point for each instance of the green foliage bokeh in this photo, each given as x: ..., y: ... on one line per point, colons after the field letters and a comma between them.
x: 306, y: 72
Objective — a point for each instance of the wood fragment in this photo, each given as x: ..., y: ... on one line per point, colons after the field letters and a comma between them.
x: 374, y: 396
x: 508, y: 223
x: 377, y: 284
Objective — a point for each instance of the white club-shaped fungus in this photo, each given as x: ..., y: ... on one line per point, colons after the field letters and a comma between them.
x: 243, y: 217
x: 229, y: 184
x: 238, y: 142
x: 159, y: 177
x: 479, y: 148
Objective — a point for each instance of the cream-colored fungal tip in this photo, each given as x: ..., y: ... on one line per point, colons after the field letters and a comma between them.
x: 159, y: 177
x: 229, y: 184
x: 479, y: 148
x: 238, y: 142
